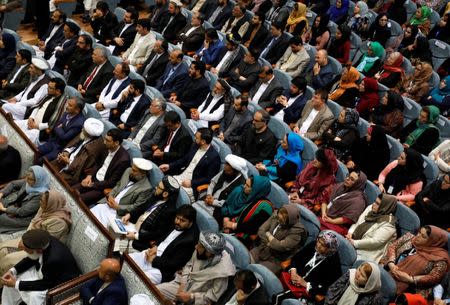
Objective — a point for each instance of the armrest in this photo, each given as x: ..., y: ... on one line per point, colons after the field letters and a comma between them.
x: 69, y: 300
x: 202, y: 188
x: 288, y: 185
x: 66, y: 290
x: 285, y: 264
x: 410, y: 203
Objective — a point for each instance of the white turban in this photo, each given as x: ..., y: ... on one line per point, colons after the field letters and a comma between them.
x: 93, y: 127
x: 40, y: 63
x: 238, y: 163
x: 142, y: 164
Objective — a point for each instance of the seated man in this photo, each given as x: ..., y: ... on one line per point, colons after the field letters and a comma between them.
x: 169, y: 254
x: 276, y: 45
x: 322, y: 73
x: 153, y: 68
x: 107, y: 288
x: 67, y: 128
x: 82, y: 153
x: 191, y: 37
x: 10, y: 161
x: 130, y: 192
x: 151, y: 221
x: 205, y: 277
x: 103, y: 22
x: 230, y: 56
x: 174, y: 77
x: 238, y: 23
x: 289, y: 106
x: 150, y: 131
x: 48, y: 263
x: 53, y: 37
x: 257, y: 33
x: 236, y: 121
x: 124, y: 33
x: 173, y: 22
x: 258, y: 143
x: 295, y: 59
x: 316, y: 117
x: 177, y: 141
x: 245, y: 75
x: 234, y: 174
x: 45, y: 113
x: 112, y: 93
x: 33, y: 93
x: 267, y: 89
x: 212, y: 110
x: 198, y: 166
x: 209, y: 51
x: 142, y: 45
x: 80, y: 61
x: 19, y: 78
x: 66, y: 48
x: 131, y: 108
x: 107, y: 172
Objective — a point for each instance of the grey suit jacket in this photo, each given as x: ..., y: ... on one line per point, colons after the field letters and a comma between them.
x: 136, y: 195
x: 319, y: 125
x: 155, y: 135
x: 269, y: 96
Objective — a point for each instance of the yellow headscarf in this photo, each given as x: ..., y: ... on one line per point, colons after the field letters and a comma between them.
x: 348, y: 80
x: 298, y: 14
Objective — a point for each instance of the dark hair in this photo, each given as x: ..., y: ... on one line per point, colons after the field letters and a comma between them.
x: 254, y: 53
x: 427, y: 229
x: 346, y: 32
x: 265, y: 116
x: 241, y: 8
x: 164, y: 45
x: 201, y: 17
x: 321, y: 157
x: 187, y: 211
x: 200, y: 66
x: 134, y: 13
x: 115, y: 134
x: 103, y: 6
x: 212, y: 33
x: 138, y: 84
x: 145, y: 23
x: 206, y: 135
x: 59, y: 84
x: 172, y: 117
x: 62, y: 15
x: 266, y: 70
x: 80, y: 102
x: 323, y: 93
x: 248, y: 279
x: 125, y: 68
x: 300, y: 83
x: 87, y: 39
x: 277, y: 25
x: 244, y: 99
x: 296, y: 40
x: 25, y: 54
x: 261, y: 16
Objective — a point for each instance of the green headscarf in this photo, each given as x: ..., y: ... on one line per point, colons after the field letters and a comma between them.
x: 426, y: 12
x: 367, y: 60
x: 433, y: 117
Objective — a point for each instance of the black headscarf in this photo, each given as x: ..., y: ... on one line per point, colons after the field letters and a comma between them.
x: 322, y: 28
x: 394, y: 101
x: 375, y: 153
x: 422, y: 50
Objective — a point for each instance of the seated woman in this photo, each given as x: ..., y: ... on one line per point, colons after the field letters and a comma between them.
x: 246, y: 208
x: 297, y: 22
x: 280, y: 237
x: 338, y: 12
x: 287, y: 163
x: 375, y: 228
x: 440, y: 97
x: 319, y: 33
x: 313, y: 183
x: 397, y: 11
x: 432, y: 204
x: 422, y: 134
x: 418, y: 262
x: 357, y: 287
x: 347, y: 202
x: 421, y: 19
x: 20, y: 200
x: 369, y: 98
x: 403, y: 177
x: 370, y: 62
x: 339, y: 47
x: 373, y: 152
x: 314, y: 268
x: 392, y: 72
x: 417, y: 86
x: 343, y: 135
x: 441, y: 30
x: 441, y: 156
x: 347, y: 90
x: 359, y: 22
x: 409, y: 37
x: 53, y: 217
x: 389, y: 114
x: 379, y: 30
x: 234, y: 174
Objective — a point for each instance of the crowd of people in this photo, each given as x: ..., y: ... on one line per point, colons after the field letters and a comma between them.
x: 196, y: 92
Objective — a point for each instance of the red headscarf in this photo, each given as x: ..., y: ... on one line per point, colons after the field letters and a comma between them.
x: 369, y: 98
x: 396, y: 66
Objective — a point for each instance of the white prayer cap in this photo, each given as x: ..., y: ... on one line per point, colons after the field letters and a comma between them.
x: 141, y: 299
x: 142, y: 164
x: 238, y: 164
x: 177, y: 3
x: 40, y: 63
x: 93, y: 127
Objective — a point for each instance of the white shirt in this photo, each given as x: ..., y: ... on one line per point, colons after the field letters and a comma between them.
x: 167, y: 148
x: 224, y: 60
x: 22, y: 96
x: 106, y: 99
x: 280, y: 114
x: 261, y: 90
x: 127, y: 112
x: 305, y: 126
x: 52, y: 33
x: 100, y: 176
x: 127, y: 25
x: 74, y: 152
x: 123, y: 192
x: 187, y: 173
x: 205, y: 115
x: 191, y: 30
x: 136, y: 47
x: 17, y: 73
x: 38, y: 114
x: 166, y: 242
x: 141, y: 133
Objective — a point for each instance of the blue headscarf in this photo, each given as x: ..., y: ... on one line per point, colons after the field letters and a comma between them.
x: 337, y: 13
x: 42, y: 180
x: 438, y: 94
x: 238, y: 200
x: 294, y: 153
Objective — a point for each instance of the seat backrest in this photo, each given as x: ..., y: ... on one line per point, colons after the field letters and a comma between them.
x: 132, y: 150
x: 382, y: 89
x: 356, y: 42
x: 430, y: 170
x: 372, y: 191
x: 54, y: 74
x: 407, y: 66
x: 396, y: 29
x: 408, y: 221
x: 440, y: 51
x: 309, y: 93
x: 435, y: 80
x: 114, y: 60
x: 186, y: 13
x: 346, y: 251
x: 235, y: 92
x: 134, y: 75
x: 443, y: 124
x: 173, y: 107
x: 205, y: 221
x: 411, y: 8
x: 283, y: 78
x: 434, y: 18
x: 12, y: 32
x: 120, y: 13
x: 71, y: 92
x: 222, y: 148
x: 271, y: 283
x: 212, y: 79
x: 333, y: 28
x: 395, y: 148
x: 277, y: 195
x: 311, y: 16
x: 363, y: 126
x: 411, y: 110
x: 264, y: 62
x: 311, y: 223
x: 371, y: 15
x: 334, y: 107
x: 312, y: 54
x: 238, y: 251
x: 183, y: 198
x: 337, y: 66
x: 342, y: 172
x: 309, y: 151
x: 155, y: 175
x: 89, y: 111
x: 23, y: 45
x: 278, y: 127
x: 252, y: 171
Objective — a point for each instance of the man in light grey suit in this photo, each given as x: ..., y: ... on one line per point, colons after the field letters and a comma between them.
x: 316, y: 117
x: 132, y: 190
x: 149, y: 133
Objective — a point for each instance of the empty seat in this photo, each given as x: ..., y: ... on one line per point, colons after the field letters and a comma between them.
x: 444, y: 126
x: 342, y: 172
x: 440, y: 52
x: 283, y: 78
x: 277, y: 195
x: 408, y: 221
x: 395, y: 148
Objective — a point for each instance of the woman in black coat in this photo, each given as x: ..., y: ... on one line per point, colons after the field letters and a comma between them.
x: 379, y: 30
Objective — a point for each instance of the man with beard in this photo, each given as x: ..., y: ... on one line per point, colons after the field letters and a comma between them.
x: 174, y: 22
x: 53, y: 37
x: 169, y: 254
x: 245, y: 75
x: 157, y: 13
x: 229, y: 57
x: 130, y: 192
x: 142, y: 45
x: 19, y: 78
x: 220, y: 14
x: 67, y: 47
x: 205, y: 277
x: 234, y: 174
x: 124, y: 32
x: 289, y: 106
x: 80, y: 60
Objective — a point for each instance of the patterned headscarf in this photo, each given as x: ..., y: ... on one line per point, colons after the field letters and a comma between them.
x: 330, y: 240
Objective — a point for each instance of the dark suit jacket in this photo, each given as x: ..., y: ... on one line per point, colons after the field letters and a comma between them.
x: 206, y: 169
x: 176, y: 81
x: 68, y: 130
x: 195, y: 39
x: 21, y: 81
x: 58, y: 266
x: 250, y: 72
x: 103, y: 27
x: 127, y: 36
x: 181, y: 143
x: 119, y: 163
x: 156, y: 70
x: 194, y: 93
x: 154, y: 135
x: 277, y: 49
x: 99, y: 82
x: 114, y: 294
x: 62, y: 57
x: 293, y: 112
x: 157, y: 15
x: 223, y: 16
x: 272, y: 91
x: 208, y: 8
x: 177, y: 253
x: 233, y: 64
x: 236, y: 134
x: 10, y: 164
x: 260, y: 38
x: 137, y: 112
x: 56, y: 40
x: 257, y: 297
x: 78, y: 64
x: 174, y: 27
